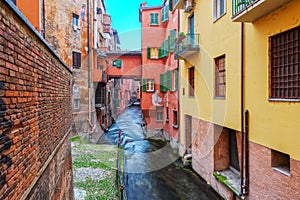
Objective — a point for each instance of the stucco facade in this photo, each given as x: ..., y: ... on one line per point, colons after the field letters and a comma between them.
x: 159, y: 102
x: 244, y: 133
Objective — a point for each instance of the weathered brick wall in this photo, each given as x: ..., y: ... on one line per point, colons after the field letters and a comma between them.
x: 35, y: 114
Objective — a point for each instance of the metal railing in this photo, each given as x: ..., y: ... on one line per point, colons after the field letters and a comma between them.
x: 186, y: 42
x: 240, y: 5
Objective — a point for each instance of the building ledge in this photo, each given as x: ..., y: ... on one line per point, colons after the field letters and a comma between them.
x: 230, y: 179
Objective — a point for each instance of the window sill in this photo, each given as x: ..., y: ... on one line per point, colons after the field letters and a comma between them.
x: 219, y: 98
x: 154, y: 24
x: 283, y: 100
x: 175, y: 125
x: 149, y: 91
x: 283, y: 170
x: 230, y: 179
x: 159, y: 121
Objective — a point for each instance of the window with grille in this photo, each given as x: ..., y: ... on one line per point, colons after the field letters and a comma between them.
x: 191, y: 79
x: 76, y: 56
x: 153, y: 18
x: 175, y: 118
x: 159, y: 114
x: 285, y: 65
x: 220, y: 77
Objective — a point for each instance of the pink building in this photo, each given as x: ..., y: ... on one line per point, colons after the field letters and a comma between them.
x: 159, y: 100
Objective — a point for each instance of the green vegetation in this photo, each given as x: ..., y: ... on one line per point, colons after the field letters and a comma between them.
x: 98, y: 184
x: 224, y: 180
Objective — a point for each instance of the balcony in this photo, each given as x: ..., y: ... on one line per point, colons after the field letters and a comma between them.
x: 186, y: 46
x: 187, y: 5
x: 251, y: 10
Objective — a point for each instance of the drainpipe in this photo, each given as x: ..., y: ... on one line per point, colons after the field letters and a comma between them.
x: 89, y: 62
x: 245, y: 150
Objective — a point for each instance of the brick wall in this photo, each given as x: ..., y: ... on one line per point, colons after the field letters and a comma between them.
x: 35, y: 115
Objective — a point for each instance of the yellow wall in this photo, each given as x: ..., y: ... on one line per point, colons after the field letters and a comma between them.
x: 216, y: 38
x: 31, y: 10
x: 272, y: 124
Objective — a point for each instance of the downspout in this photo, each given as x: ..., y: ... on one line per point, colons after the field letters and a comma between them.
x: 89, y: 62
x: 245, y: 146
x: 243, y: 183
x: 178, y: 84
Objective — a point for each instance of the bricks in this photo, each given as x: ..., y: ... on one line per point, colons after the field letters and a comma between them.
x: 35, y: 100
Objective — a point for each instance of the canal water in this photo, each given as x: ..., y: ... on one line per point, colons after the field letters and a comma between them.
x: 152, y: 170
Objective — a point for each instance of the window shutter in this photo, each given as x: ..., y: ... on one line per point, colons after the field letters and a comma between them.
x: 161, y: 82
x: 172, y: 39
x: 163, y: 14
x: 166, y: 12
x: 144, y: 82
x: 176, y: 79
x: 151, y: 18
x: 169, y: 44
x: 170, y: 5
x: 148, y: 52
x: 169, y: 79
x: 160, y: 52
x: 118, y: 63
x: 155, y: 18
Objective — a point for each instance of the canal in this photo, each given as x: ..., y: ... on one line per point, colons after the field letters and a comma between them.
x: 152, y: 169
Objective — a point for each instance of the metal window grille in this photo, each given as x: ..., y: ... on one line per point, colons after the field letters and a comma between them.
x: 191, y: 81
x: 76, y: 59
x: 220, y: 77
x: 285, y: 59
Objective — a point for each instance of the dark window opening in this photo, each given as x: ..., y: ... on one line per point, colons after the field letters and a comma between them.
x: 76, y: 56
x: 220, y: 77
x: 191, y: 81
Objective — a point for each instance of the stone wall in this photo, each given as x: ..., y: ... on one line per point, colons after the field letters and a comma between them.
x: 35, y: 113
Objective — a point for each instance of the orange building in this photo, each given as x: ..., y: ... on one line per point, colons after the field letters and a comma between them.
x: 159, y: 100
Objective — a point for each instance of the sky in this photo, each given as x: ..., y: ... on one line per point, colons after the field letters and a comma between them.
x: 125, y: 19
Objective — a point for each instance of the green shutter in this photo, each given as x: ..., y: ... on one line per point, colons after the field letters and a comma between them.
x: 144, y: 81
x: 151, y: 18
x: 118, y: 63
x: 148, y: 52
x: 169, y: 80
x: 163, y: 14
x: 155, y: 18
x: 169, y: 44
x: 176, y: 79
x: 170, y: 5
x: 166, y: 13
x: 172, y: 39
x: 161, y: 83
x: 160, y: 52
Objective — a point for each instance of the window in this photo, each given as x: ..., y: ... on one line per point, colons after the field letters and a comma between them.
x: 76, y: 104
x: 14, y: 1
x: 165, y: 48
x: 219, y: 8
x: 175, y: 119
x: 220, y: 77
x: 148, y: 85
x: 75, y: 20
x: 117, y: 63
x: 280, y: 162
x: 191, y: 79
x: 76, y: 56
x: 152, y: 52
x: 165, y: 13
x: 172, y: 39
x: 285, y: 65
x: 153, y: 18
x: 159, y: 114
x: 175, y: 80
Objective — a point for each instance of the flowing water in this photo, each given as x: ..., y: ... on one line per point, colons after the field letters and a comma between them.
x: 152, y: 170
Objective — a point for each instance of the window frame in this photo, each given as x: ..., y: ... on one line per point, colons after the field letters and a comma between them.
x: 76, y: 59
x: 191, y: 81
x: 75, y: 20
x: 159, y: 114
x: 175, y: 118
x: 153, y: 18
x: 220, y: 92
x: 217, y: 9
x: 283, y: 66
x: 165, y: 13
x: 150, y: 85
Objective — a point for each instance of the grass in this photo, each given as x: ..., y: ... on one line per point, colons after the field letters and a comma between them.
x: 85, y: 155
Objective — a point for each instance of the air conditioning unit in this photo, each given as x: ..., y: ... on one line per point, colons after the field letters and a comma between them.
x: 189, y: 5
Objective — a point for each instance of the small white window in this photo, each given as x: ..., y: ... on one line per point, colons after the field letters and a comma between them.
x: 150, y: 85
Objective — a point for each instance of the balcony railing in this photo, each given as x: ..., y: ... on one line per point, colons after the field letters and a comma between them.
x: 251, y: 10
x: 186, y: 45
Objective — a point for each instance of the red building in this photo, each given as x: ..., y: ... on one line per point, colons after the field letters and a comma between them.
x: 159, y: 100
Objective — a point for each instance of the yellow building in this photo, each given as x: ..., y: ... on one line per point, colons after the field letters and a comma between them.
x: 240, y: 93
